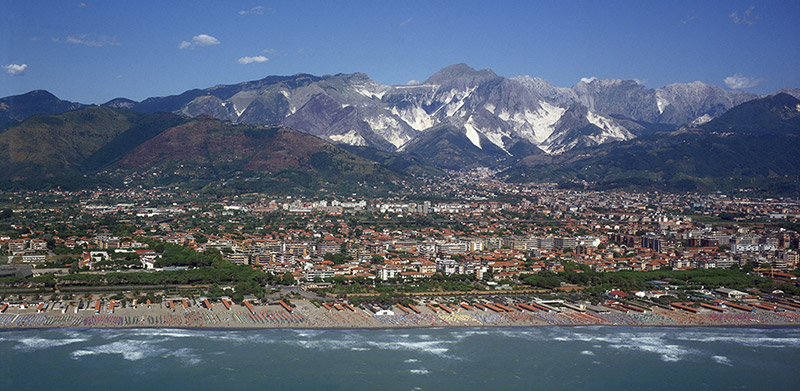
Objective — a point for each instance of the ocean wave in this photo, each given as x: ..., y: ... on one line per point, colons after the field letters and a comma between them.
x: 743, y: 339
x: 323, y: 345
x: 129, y: 350
x: 185, y: 355
x: 587, y: 353
x: 411, y: 360
x: 528, y: 335
x: 670, y: 358
x: 360, y: 342
x: 431, y: 347
x: 612, y: 338
x: 651, y: 344
x: 722, y: 360
x: 307, y: 333
x: 168, y: 333
x: 420, y: 371
x: 38, y: 343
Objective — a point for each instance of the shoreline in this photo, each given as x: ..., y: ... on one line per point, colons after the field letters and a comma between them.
x: 305, y: 316
x: 748, y: 326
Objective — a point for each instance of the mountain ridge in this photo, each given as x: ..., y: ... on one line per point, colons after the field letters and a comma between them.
x: 83, y: 145
x: 518, y: 116
x: 755, y: 144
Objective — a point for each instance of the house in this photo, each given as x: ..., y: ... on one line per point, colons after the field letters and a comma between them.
x: 730, y: 293
x: 616, y: 294
x: 89, y: 258
x: 148, y: 258
x: 33, y: 258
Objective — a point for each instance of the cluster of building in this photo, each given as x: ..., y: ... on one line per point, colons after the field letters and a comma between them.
x: 496, y: 230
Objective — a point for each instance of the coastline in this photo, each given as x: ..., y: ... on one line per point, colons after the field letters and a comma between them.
x: 307, y: 316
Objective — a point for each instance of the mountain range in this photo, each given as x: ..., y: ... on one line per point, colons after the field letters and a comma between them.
x: 458, y: 118
x: 493, y: 113
x: 755, y: 145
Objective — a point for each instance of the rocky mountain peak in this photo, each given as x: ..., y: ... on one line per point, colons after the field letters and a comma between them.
x: 459, y: 71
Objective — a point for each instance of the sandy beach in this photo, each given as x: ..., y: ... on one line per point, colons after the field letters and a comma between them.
x: 304, y: 314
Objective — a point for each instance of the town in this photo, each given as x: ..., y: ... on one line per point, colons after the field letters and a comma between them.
x: 453, y: 243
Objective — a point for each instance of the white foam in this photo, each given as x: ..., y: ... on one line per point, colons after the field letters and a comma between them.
x: 166, y: 333
x: 646, y: 342
x: 130, y: 350
x: 742, y: 339
x: 357, y: 342
x: 670, y: 358
x: 722, y: 360
x: 420, y: 371
x: 37, y: 343
x: 306, y: 333
x: 411, y: 360
x: 187, y: 356
x: 669, y: 353
x: 430, y: 347
x: 587, y: 353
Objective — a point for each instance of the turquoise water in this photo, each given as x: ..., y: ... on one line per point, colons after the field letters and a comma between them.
x: 540, y: 358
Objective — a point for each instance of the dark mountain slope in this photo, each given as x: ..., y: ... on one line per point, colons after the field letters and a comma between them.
x: 756, y: 144
x: 15, y: 109
x: 48, y: 145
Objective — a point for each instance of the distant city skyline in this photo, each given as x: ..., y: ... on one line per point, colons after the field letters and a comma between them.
x: 91, y: 51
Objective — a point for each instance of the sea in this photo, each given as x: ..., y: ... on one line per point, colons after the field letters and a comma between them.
x: 593, y: 358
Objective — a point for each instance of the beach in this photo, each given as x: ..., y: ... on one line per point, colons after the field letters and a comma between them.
x: 308, y: 315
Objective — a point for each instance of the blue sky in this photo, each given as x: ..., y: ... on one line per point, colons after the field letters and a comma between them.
x: 93, y: 51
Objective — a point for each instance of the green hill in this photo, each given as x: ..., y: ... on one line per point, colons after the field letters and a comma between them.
x: 86, y: 146
x: 52, y: 145
x: 220, y: 155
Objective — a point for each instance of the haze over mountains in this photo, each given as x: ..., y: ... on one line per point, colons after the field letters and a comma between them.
x: 458, y: 118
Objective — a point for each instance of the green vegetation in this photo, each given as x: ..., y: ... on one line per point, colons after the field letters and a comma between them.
x: 397, y: 287
x: 51, y: 145
x: 637, y: 280
x: 142, y: 130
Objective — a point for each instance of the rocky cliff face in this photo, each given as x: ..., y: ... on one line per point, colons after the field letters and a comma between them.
x: 353, y: 109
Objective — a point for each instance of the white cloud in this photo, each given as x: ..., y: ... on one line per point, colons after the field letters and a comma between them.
x: 588, y: 79
x: 407, y: 21
x: 88, y: 40
x: 747, y: 17
x: 82, y: 5
x: 15, y: 69
x: 257, y: 10
x: 739, y: 82
x: 199, y: 41
x: 252, y: 59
